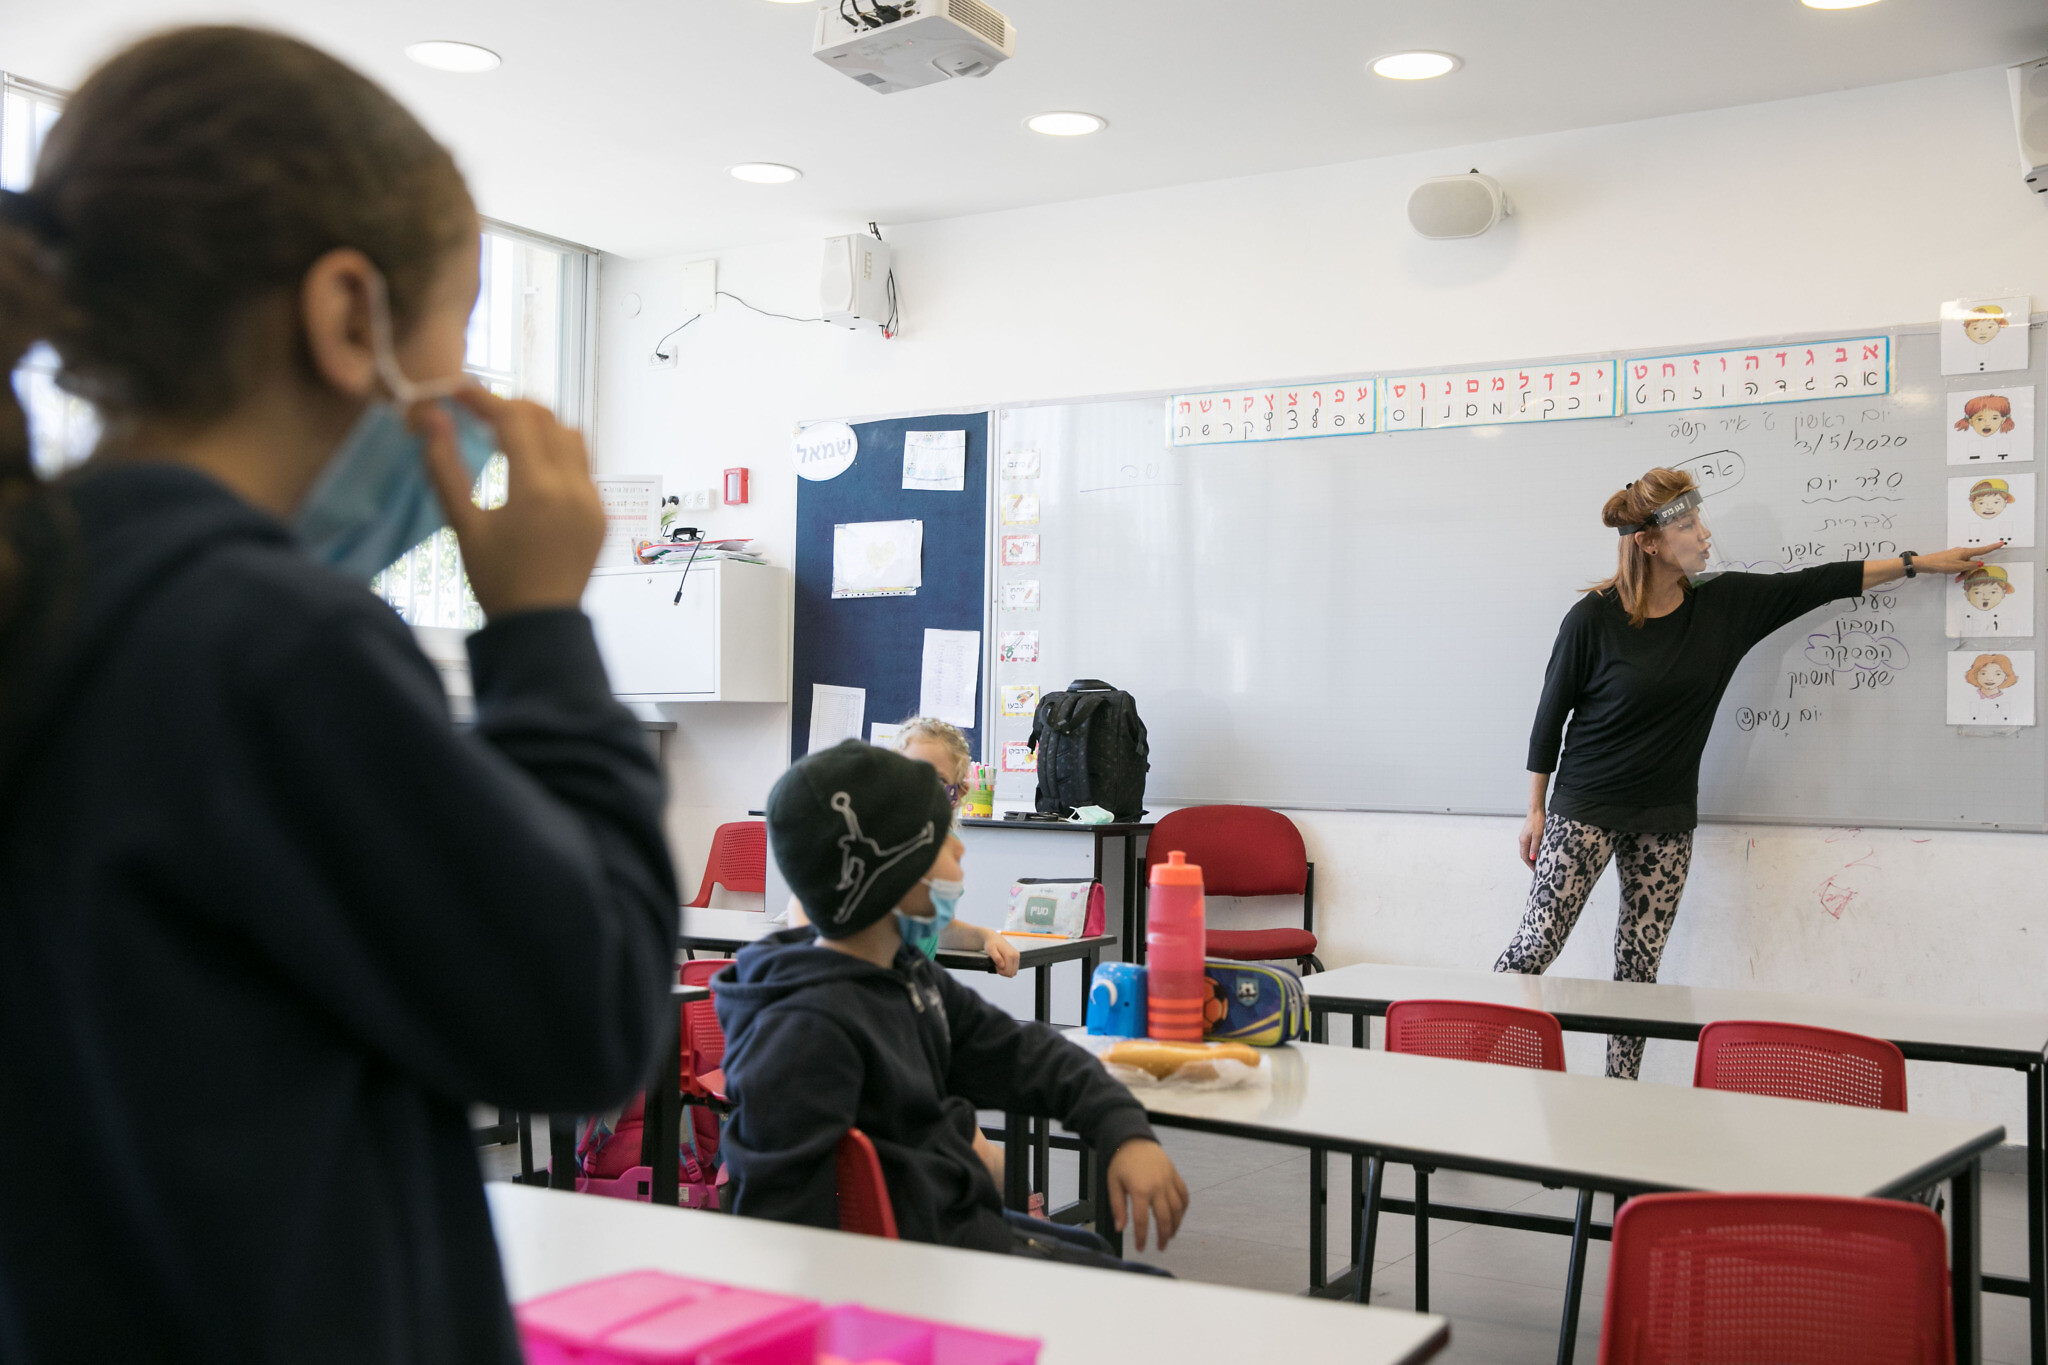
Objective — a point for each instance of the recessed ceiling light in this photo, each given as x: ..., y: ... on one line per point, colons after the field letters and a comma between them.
x: 445, y: 56
x: 1838, y: 4
x: 1415, y: 66
x: 1066, y: 123
x: 765, y: 173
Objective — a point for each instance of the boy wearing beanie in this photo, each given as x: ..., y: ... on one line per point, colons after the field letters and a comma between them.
x: 843, y: 1024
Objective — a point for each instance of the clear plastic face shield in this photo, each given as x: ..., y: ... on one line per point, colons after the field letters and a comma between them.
x: 1685, y: 540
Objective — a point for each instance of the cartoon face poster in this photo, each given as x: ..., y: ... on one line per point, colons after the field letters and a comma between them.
x: 1997, y: 599
x: 1981, y: 511
x: 1979, y: 336
x: 1990, y: 689
x: 1991, y: 426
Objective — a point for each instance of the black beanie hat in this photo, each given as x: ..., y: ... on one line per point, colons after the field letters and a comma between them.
x: 854, y: 828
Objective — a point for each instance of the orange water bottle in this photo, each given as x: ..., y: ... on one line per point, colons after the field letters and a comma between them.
x: 1174, y: 941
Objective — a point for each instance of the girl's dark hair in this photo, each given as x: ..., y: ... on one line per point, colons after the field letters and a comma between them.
x: 194, y: 175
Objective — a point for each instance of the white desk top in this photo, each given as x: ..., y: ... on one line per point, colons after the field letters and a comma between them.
x: 744, y: 926
x: 549, y: 1239
x: 2004, y: 1037
x: 1582, y: 1130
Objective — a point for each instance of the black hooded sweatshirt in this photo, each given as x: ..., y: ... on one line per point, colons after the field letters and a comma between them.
x: 269, y: 923
x: 817, y: 1041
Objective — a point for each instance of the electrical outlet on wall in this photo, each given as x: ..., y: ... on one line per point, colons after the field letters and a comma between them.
x: 697, y: 500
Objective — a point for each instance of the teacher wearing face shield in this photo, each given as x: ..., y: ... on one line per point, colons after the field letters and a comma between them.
x: 269, y: 923
x: 1638, y: 670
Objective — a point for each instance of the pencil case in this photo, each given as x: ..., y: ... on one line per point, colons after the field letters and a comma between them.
x: 1069, y: 907
x: 1254, y: 1002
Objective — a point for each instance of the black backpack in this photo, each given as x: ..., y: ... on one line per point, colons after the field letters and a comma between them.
x: 1091, y: 750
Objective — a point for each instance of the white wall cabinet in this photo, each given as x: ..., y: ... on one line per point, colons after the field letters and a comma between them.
x: 725, y: 638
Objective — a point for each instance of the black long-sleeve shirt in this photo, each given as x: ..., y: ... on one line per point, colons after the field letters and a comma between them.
x: 269, y: 924
x: 817, y: 1042
x: 1642, y: 698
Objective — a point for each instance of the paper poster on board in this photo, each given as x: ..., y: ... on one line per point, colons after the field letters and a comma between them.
x: 1991, y: 689
x: 935, y: 461
x: 1997, y: 599
x: 1021, y: 595
x: 1019, y: 757
x: 1020, y: 509
x: 1019, y: 647
x: 836, y: 715
x: 950, y: 675
x: 1020, y: 699
x: 877, y: 558
x: 1981, y: 511
x: 1019, y: 550
x: 1019, y: 464
x: 825, y: 450
x: 1982, y: 336
x: 1991, y: 425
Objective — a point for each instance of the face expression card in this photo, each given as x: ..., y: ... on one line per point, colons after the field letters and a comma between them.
x: 1990, y: 689
x: 1980, y: 336
x: 1991, y: 426
x: 1997, y: 599
x: 1981, y: 511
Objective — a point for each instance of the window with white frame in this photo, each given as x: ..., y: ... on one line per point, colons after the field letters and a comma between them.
x: 530, y: 337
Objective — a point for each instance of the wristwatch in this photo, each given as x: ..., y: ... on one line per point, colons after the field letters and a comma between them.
x: 1907, y: 557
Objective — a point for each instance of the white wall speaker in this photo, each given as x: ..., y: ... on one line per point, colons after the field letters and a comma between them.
x: 2029, y: 82
x: 1457, y: 205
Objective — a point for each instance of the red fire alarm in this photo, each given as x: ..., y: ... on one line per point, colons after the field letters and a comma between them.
x: 735, y: 487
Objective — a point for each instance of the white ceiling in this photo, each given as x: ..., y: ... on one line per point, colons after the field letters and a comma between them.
x: 612, y: 122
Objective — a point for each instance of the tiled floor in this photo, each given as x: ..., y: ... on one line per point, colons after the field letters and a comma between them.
x: 1503, y: 1290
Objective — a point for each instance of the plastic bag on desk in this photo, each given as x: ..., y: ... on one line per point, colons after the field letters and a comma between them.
x: 1139, y: 1064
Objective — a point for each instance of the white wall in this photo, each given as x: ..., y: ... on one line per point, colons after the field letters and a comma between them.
x: 1842, y: 212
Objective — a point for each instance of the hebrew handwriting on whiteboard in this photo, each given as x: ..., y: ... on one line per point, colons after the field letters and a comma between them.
x: 1795, y: 372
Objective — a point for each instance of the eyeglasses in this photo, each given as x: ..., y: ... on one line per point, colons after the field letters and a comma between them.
x: 954, y: 791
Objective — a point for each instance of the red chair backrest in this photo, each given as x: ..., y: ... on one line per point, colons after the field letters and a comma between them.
x: 1799, y: 1062
x: 738, y: 860
x: 1471, y: 1031
x: 703, y: 1039
x: 1791, y: 1279
x: 1242, y: 850
x: 863, y: 1196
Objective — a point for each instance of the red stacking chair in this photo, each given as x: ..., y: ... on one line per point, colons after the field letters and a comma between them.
x: 702, y: 1081
x: 863, y: 1195
x: 1469, y: 1031
x: 738, y: 860
x: 1776, y: 1279
x: 1245, y: 851
x: 1800, y: 1062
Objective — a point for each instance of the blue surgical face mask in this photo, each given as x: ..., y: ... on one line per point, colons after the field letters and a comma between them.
x: 373, y: 501
x: 923, y: 933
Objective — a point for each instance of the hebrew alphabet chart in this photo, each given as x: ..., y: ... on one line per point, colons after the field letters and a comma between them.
x: 1529, y: 393
x: 1792, y: 373
x: 1287, y: 413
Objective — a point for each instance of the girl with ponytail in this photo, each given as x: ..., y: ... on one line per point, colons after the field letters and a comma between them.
x: 268, y: 923
x: 1639, y: 667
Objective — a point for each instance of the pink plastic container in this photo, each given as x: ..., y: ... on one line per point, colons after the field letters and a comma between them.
x: 1176, y: 987
x: 636, y: 1183
x: 852, y: 1335
x: 647, y: 1317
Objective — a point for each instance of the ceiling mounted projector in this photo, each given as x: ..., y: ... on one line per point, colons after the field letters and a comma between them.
x: 891, y: 47
x: 1457, y: 205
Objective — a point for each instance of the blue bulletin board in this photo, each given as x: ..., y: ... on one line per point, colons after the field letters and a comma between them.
x: 877, y: 643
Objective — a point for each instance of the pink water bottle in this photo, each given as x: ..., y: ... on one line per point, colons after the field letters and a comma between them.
x: 1174, y: 940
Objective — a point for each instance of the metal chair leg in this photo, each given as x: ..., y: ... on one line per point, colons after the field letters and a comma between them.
x: 1361, y: 1288
x: 1422, y: 1238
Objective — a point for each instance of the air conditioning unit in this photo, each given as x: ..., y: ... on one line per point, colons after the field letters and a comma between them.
x: 891, y: 47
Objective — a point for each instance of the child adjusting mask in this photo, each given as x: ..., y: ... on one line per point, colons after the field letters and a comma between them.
x: 374, y: 501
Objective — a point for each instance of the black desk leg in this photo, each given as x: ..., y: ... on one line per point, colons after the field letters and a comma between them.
x: 1318, y: 1216
x: 561, y: 1151
x: 1361, y: 1288
x: 1575, y: 1280
x: 1041, y: 1128
x: 525, y: 1148
x: 1088, y: 965
x: 2037, y: 1219
x: 664, y: 1108
x: 1318, y: 1025
x: 1357, y: 1198
x: 1361, y: 1030
x: 1134, y: 930
x: 1016, y: 1162
x: 1965, y: 1257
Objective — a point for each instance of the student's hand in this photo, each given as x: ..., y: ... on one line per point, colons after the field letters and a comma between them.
x: 1959, y: 560
x: 537, y: 550
x: 1002, y: 954
x: 1143, y: 1173
x: 1530, y: 840
x: 990, y: 1154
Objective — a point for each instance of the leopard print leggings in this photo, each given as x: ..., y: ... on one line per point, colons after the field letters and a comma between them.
x: 1570, y: 860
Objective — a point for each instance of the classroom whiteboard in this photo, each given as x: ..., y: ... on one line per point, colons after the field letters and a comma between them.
x: 1363, y: 621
